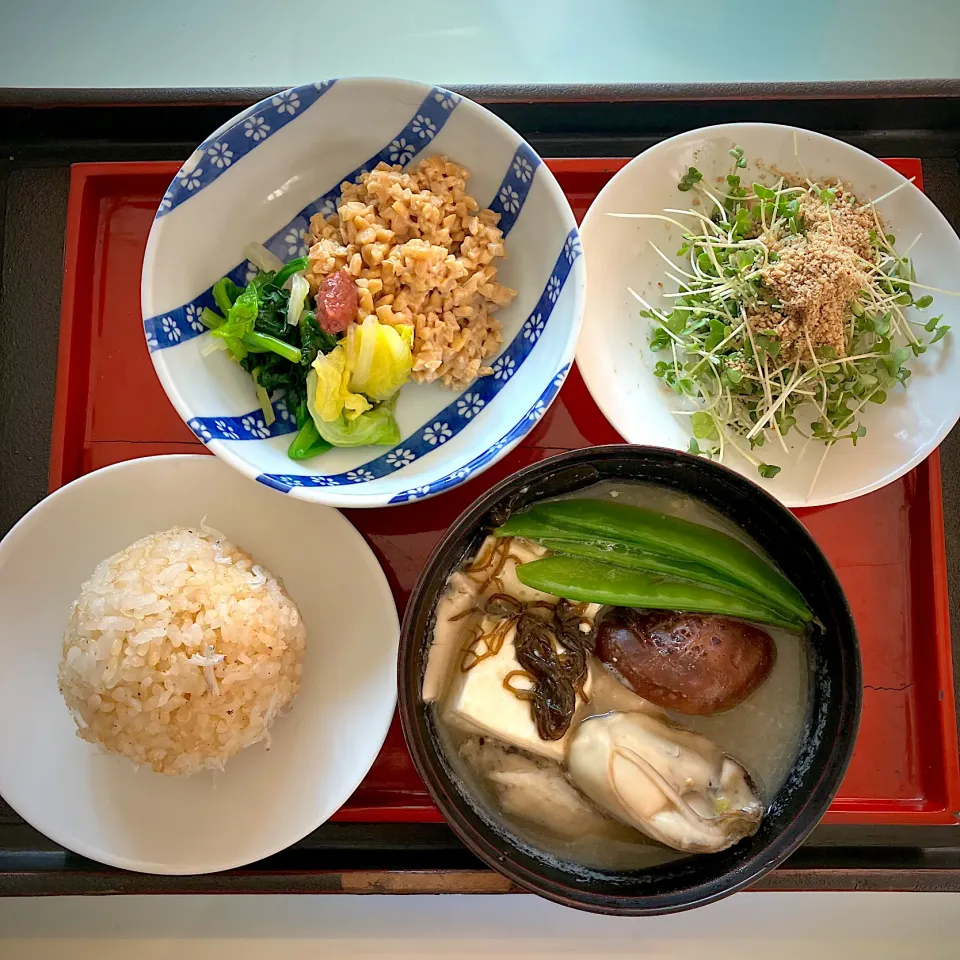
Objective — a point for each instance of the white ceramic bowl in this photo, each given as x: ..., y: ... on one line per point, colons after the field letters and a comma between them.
x: 614, y: 356
x: 260, y: 178
x: 103, y: 807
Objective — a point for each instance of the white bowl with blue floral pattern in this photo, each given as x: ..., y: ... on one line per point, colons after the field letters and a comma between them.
x: 260, y: 178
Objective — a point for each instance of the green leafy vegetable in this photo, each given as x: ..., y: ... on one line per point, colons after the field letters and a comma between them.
x: 313, y: 340
x: 376, y: 426
x: 284, y: 274
x: 687, y: 181
x: 278, y: 355
x: 721, y: 344
x: 328, y: 390
x: 225, y: 293
x: 210, y: 319
x: 379, y: 357
x: 307, y: 443
x: 241, y: 316
x: 739, y: 160
x: 704, y: 427
x: 263, y: 342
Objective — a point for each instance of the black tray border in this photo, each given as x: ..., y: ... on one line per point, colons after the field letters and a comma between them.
x: 504, y: 93
x: 43, y: 131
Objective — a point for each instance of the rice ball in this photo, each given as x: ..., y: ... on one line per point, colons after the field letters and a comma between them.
x: 180, y: 651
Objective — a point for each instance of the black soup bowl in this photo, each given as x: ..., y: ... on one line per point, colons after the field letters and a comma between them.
x: 826, y: 743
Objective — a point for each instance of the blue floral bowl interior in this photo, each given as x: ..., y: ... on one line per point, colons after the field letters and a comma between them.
x: 260, y: 178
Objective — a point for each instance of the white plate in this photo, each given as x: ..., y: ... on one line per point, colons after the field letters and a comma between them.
x: 617, y: 364
x: 104, y: 808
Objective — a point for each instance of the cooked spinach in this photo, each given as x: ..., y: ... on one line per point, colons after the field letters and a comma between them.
x: 278, y: 355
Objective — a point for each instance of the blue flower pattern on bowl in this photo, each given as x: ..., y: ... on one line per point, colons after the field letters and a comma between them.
x: 510, y: 200
x: 437, y: 433
x: 503, y: 367
x: 234, y: 144
x: 226, y: 430
x: 400, y: 458
x: 400, y: 151
x: 296, y: 241
x: 359, y: 475
x: 522, y: 169
x: 535, y: 327
x: 191, y: 316
x: 513, y: 435
x: 170, y: 329
x: 191, y: 179
x: 256, y: 127
x: 327, y: 208
x: 469, y: 405
x: 536, y: 411
x: 248, y: 426
x: 220, y: 155
x: 571, y: 249
x: 287, y: 102
x: 255, y: 427
x: 514, y: 187
x: 423, y: 126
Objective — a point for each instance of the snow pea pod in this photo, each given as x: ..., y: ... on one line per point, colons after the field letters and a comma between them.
x: 634, y: 558
x: 531, y: 526
x: 666, y: 536
x: 590, y: 581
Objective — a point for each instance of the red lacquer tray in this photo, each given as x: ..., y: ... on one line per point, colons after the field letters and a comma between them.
x: 887, y: 547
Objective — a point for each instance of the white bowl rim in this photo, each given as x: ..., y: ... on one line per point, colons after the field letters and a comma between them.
x: 332, y: 496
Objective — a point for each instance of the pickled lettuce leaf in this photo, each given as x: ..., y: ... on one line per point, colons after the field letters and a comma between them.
x: 379, y: 357
x: 373, y: 361
x: 376, y: 426
x: 328, y: 393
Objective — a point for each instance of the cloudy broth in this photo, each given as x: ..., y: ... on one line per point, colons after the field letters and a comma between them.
x: 763, y: 732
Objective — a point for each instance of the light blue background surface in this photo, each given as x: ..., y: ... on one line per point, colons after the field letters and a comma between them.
x: 278, y: 43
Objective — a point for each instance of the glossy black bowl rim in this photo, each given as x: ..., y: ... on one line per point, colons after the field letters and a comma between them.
x: 446, y: 797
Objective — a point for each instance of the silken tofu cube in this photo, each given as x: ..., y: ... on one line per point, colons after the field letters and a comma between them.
x: 480, y: 704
